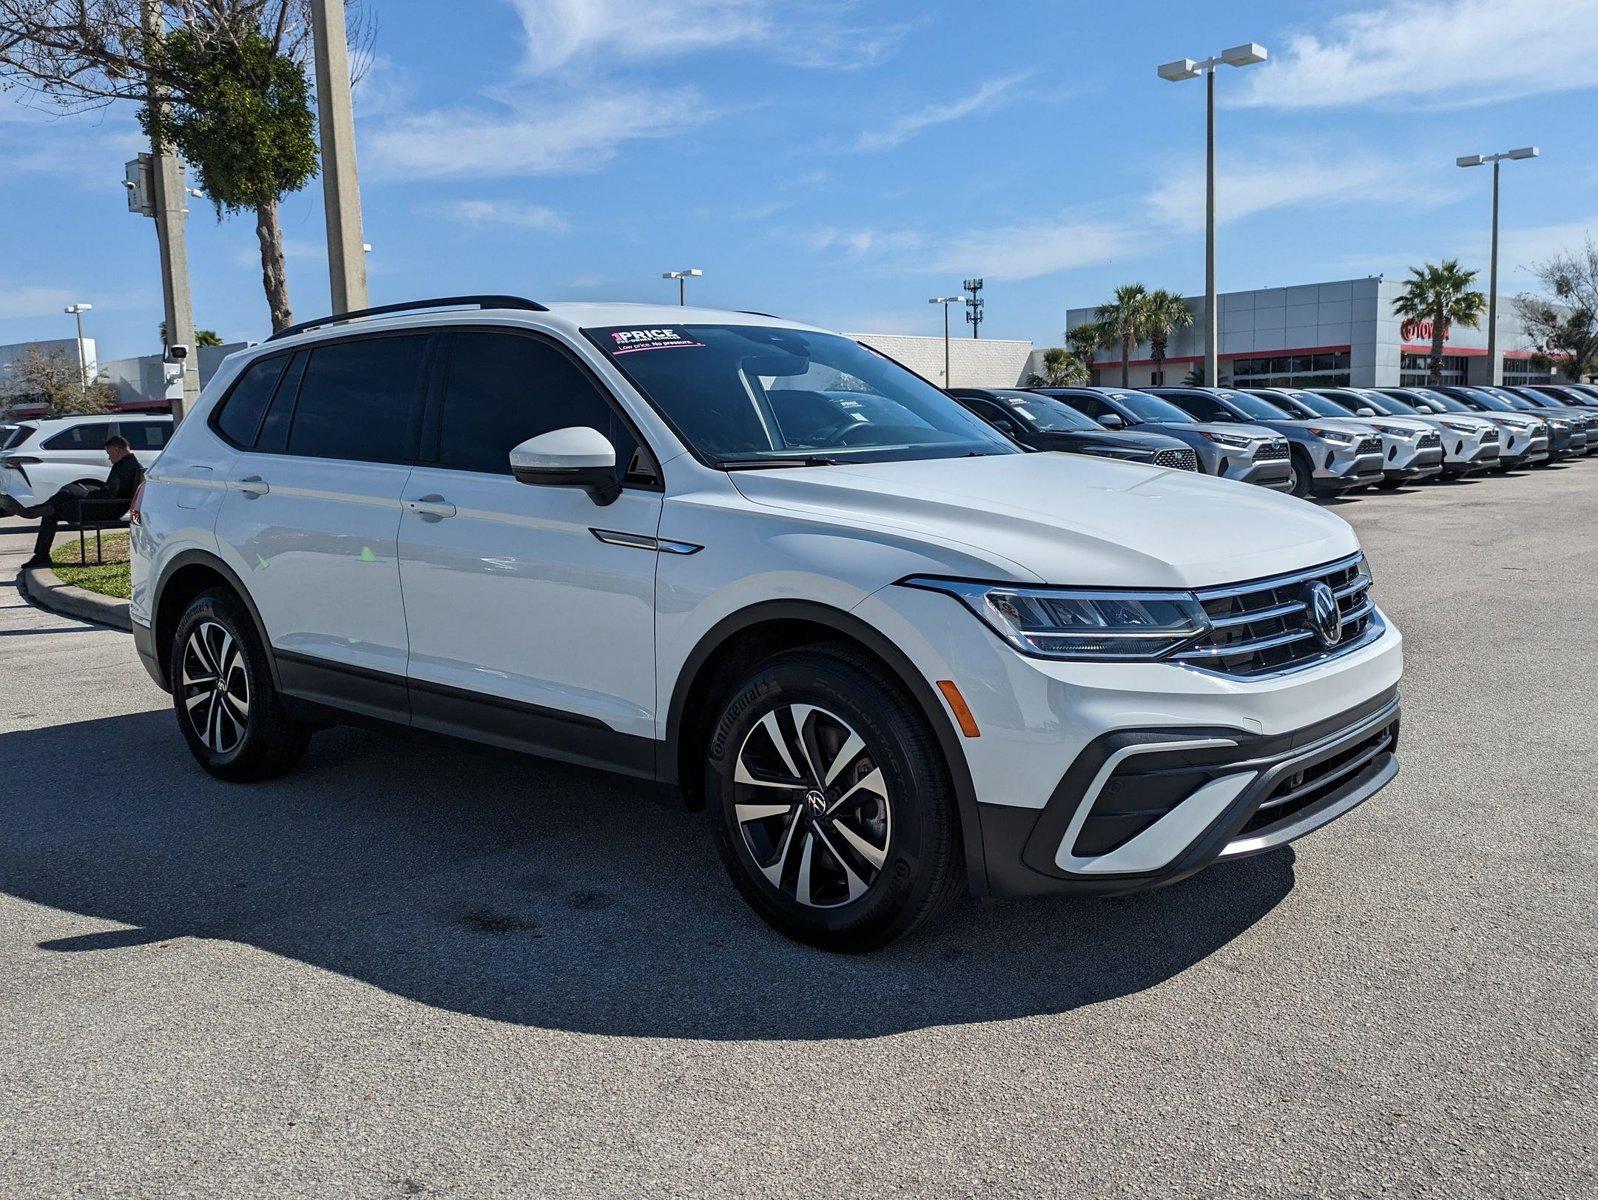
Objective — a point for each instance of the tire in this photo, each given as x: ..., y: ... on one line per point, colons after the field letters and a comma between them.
x: 849, y: 865
x: 1302, y: 482
x: 238, y: 732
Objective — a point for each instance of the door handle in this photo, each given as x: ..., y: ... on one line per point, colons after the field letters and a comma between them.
x: 253, y: 485
x: 432, y: 505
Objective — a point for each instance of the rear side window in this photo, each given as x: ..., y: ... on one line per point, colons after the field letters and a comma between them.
x: 360, y: 400
x: 501, y: 389
x: 145, y: 435
x: 88, y: 436
x: 240, y: 415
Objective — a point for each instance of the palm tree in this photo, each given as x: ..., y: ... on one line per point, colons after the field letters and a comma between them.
x: 1443, y: 296
x: 1085, y: 340
x: 1125, y: 320
x: 1061, y: 367
x: 1166, y: 312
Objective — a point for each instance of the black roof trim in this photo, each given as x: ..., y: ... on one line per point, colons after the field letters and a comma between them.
x: 517, y: 302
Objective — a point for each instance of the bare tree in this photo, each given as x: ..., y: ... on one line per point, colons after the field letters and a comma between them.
x: 221, y: 81
x: 1564, y: 324
x: 50, y: 377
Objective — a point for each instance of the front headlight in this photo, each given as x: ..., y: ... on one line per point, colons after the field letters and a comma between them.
x: 1227, y: 439
x: 1075, y: 623
x: 1338, y: 437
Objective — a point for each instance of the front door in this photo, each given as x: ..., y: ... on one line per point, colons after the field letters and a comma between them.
x: 526, y: 628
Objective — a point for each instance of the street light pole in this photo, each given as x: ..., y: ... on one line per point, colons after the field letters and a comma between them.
x: 1174, y: 72
x: 1495, y: 369
x: 948, y: 381
x: 682, y: 278
x: 77, y: 310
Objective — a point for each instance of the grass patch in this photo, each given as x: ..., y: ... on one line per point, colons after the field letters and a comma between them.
x: 112, y: 578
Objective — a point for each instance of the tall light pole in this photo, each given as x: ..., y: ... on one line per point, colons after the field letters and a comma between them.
x: 77, y: 310
x: 682, y: 278
x: 1495, y: 370
x: 946, y: 301
x: 341, y: 188
x: 1174, y: 72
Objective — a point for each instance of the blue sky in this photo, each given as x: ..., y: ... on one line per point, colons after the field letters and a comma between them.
x: 840, y: 162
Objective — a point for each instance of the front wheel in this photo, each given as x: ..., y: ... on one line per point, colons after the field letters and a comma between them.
x: 1301, y: 477
x: 830, y: 801
x: 227, y: 705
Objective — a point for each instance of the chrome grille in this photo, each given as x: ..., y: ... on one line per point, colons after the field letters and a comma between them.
x: 1429, y: 441
x: 1271, y: 451
x: 1370, y: 445
x: 1177, y: 460
x: 1490, y: 437
x: 1261, y: 627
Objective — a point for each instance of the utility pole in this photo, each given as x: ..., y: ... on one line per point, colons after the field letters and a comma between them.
x: 77, y: 310
x: 974, y: 305
x: 169, y: 207
x: 341, y: 187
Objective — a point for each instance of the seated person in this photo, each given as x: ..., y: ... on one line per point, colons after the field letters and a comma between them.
x: 107, y: 502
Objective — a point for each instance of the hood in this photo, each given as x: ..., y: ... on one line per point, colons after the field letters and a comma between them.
x: 1364, y: 426
x: 1515, y: 420
x: 1254, y: 433
x: 1430, y: 423
x: 1069, y: 518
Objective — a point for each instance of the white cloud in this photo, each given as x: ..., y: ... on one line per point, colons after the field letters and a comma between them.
x: 1284, y: 178
x: 1519, y: 250
x: 1438, y: 54
x: 1031, y: 249
x: 22, y: 302
x: 815, y: 33
x: 513, y: 213
x: 530, y: 138
x: 858, y: 243
x: 901, y: 129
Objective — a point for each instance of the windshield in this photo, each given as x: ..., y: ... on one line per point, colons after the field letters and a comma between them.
x: 1309, y: 404
x: 1491, y: 403
x: 1045, y: 413
x: 1262, y: 410
x: 1381, y: 403
x: 1145, y: 407
x: 1444, y: 402
x: 749, y: 395
x: 1518, y: 403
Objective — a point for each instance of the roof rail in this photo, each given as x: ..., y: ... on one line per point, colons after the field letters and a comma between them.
x: 411, y: 306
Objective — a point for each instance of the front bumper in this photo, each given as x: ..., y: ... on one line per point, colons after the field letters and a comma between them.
x: 1142, y: 808
x: 1339, y: 468
x: 1274, y: 473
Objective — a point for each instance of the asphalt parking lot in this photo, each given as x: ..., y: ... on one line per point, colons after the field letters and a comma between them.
x: 416, y: 968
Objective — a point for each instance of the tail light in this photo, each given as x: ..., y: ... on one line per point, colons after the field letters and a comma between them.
x: 134, y: 516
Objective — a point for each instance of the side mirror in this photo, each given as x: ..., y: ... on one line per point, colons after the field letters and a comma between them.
x: 576, y: 457
x: 1112, y: 421
x: 1364, y: 412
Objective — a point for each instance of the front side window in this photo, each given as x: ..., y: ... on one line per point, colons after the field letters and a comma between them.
x: 145, y: 435
x: 360, y: 400
x: 502, y: 388
x: 1203, y: 408
x: 743, y: 395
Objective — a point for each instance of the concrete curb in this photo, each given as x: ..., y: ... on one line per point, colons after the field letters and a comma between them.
x: 45, y: 589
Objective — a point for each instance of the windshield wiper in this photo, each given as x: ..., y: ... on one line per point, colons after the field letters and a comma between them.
x: 760, y: 464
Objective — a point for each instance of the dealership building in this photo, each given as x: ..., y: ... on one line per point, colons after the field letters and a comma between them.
x: 1322, y: 335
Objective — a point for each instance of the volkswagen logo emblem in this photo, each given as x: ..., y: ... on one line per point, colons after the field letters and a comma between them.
x: 1322, y: 615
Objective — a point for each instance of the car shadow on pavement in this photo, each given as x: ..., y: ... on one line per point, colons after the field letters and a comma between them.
x: 525, y: 892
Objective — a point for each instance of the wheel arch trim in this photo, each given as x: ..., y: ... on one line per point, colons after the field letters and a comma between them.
x: 889, y: 654
x: 203, y: 558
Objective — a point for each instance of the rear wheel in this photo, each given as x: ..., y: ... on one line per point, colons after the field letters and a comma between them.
x: 830, y: 801
x: 227, y: 705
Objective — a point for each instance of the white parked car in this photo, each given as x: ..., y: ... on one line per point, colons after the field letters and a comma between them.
x: 39, y: 458
x: 892, y: 654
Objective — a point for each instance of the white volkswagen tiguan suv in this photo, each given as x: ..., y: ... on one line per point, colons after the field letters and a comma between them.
x: 888, y: 651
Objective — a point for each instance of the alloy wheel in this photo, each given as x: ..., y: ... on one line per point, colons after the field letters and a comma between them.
x: 215, y: 688
x: 812, y: 806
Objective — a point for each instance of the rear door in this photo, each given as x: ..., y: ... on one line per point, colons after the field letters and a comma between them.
x: 311, y: 516
x: 531, y: 609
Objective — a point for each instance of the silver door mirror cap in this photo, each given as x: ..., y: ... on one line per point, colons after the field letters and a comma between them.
x: 576, y: 457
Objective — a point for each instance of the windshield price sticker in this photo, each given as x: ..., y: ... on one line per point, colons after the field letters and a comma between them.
x: 630, y: 341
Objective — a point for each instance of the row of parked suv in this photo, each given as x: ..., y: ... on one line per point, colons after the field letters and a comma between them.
x: 1321, y: 442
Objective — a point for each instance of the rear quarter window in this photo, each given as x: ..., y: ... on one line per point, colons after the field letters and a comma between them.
x: 238, y: 417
